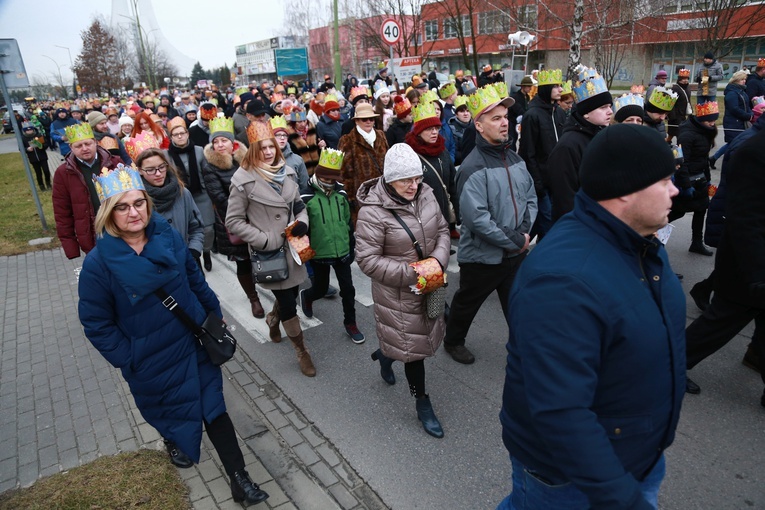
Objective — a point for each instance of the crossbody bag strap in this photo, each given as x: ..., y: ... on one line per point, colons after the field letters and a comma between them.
x: 437, y: 174
x: 171, y: 304
x: 415, y: 242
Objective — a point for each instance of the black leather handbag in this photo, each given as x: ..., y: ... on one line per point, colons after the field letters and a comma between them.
x: 270, y: 266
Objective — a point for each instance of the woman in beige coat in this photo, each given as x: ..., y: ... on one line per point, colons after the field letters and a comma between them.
x: 384, y: 251
x: 264, y: 200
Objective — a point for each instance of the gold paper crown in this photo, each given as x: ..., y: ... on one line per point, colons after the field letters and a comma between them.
x: 221, y: 124
x: 424, y: 111
x: 549, y: 77
x: 331, y: 158
x: 637, y: 89
x: 459, y: 101
x: 627, y: 99
x: 761, y: 62
x: 257, y: 131
x: 208, y: 110
x: 663, y: 99
x: 278, y: 122
x: 588, y: 83
x: 114, y: 182
x: 567, y: 89
x: 139, y: 143
x: 482, y: 99
x: 175, y: 122
x: 447, y: 90
x: 358, y: 91
x: 708, y: 108
x: 109, y: 143
x: 330, y: 97
x: 684, y: 73
x: 502, y: 89
x: 78, y: 132
x: 428, y: 96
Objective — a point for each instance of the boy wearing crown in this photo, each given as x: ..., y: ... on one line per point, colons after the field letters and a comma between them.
x: 75, y: 201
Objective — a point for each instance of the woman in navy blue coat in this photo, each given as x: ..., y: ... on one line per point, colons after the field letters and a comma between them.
x: 738, y: 110
x: 170, y: 375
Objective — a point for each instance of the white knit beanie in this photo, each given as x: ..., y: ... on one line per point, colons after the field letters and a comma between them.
x: 126, y: 120
x: 401, y: 162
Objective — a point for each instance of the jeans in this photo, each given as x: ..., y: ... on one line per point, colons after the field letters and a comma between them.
x: 344, y: 279
x: 530, y: 493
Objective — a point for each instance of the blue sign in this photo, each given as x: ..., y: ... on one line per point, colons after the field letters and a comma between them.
x: 291, y: 62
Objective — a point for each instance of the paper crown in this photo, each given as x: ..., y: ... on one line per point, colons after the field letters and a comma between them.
x: 208, y: 111
x: 292, y: 90
x: 637, y: 89
x: 588, y: 83
x: 757, y: 100
x: 78, y: 132
x: 297, y: 115
x: 278, y: 122
x: 257, y: 131
x: 114, y: 182
x: 460, y: 101
x: 287, y: 107
x: 330, y: 97
x: 331, y: 158
x: 501, y: 88
x: 549, y: 77
x: 108, y: 143
x: 447, y: 90
x: 401, y: 104
x: 380, y: 85
x: 221, y: 124
x: 567, y: 89
x: 424, y: 111
x: 626, y: 100
x: 468, y: 87
x: 708, y: 108
x: 428, y: 96
x: 139, y: 143
x: 241, y: 90
x: 175, y: 122
x: 483, y: 98
x: 684, y: 73
x: 358, y: 92
x: 662, y: 98
x: 761, y: 62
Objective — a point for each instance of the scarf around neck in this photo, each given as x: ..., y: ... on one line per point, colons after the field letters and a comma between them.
x: 273, y: 174
x: 425, y: 149
x: 191, y: 174
x: 368, y: 137
x: 164, y: 196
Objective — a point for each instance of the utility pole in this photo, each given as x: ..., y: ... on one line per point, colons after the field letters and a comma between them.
x: 336, y: 47
x: 149, y: 77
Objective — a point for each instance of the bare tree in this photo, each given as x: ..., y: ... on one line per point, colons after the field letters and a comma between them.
x: 369, y: 15
x: 458, y: 17
x: 41, y: 87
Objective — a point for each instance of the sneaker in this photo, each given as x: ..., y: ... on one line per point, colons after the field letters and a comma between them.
x: 460, y: 354
x: 353, y: 332
x: 306, y: 304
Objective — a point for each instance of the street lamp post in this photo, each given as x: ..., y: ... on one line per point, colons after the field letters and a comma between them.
x: 71, y: 68
x: 60, y: 79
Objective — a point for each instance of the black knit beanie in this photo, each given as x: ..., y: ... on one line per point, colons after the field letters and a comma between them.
x: 623, y: 159
x: 545, y: 92
x: 594, y: 102
x: 631, y: 110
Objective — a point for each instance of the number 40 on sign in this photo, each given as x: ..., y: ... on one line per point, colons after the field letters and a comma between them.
x: 391, y: 31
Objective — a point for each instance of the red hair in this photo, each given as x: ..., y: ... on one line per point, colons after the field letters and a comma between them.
x: 159, y: 133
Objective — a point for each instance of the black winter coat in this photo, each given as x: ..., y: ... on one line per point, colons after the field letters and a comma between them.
x: 397, y: 131
x: 445, y: 167
x: 564, y: 163
x: 541, y: 127
x: 696, y: 140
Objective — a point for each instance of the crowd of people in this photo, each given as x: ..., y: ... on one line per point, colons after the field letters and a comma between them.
x: 390, y: 177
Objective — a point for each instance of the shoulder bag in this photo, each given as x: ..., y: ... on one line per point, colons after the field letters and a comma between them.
x: 452, y: 215
x: 270, y: 266
x: 435, y: 302
x: 213, y: 334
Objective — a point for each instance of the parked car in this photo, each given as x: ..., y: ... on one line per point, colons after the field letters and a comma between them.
x: 7, y: 126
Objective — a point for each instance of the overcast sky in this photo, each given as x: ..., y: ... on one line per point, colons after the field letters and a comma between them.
x: 206, y: 31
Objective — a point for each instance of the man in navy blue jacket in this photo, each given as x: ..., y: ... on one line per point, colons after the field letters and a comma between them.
x: 596, y: 355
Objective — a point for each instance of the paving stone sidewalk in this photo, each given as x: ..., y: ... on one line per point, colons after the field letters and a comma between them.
x: 63, y: 405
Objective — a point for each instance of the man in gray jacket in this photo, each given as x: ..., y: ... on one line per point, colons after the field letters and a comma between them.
x: 707, y: 77
x: 498, y: 206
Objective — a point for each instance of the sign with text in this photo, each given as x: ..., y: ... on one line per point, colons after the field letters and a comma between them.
x: 390, y: 31
x: 406, y: 67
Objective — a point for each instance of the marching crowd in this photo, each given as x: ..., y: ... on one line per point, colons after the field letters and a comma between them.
x: 291, y: 180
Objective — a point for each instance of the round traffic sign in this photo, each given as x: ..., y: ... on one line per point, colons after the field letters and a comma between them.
x: 390, y: 31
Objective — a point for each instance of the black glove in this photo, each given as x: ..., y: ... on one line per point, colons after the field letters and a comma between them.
x: 197, y: 257
x: 300, y: 229
x: 348, y: 258
x: 757, y: 289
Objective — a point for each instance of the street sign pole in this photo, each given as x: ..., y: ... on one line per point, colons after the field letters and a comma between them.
x: 390, y: 31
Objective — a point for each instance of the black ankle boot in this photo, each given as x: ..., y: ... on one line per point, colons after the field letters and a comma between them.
x: 697, y: 246
x: 701, y: 294
x: 428, y: 417
x: 244, y: 489
x: 208, y: 261
x: 386, y: 372
x: 177, y: 457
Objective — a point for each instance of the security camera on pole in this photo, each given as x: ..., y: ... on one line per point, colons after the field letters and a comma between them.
x: 391, y: 34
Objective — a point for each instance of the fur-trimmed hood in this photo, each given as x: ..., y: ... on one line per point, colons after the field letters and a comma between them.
x: 225, y: 161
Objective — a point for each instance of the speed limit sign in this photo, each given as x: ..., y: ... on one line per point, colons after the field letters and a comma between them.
x: 391, y: 31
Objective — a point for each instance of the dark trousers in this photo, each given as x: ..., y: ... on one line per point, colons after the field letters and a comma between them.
x: 717, y: 326
x: 223, y: 437
x: 697, y: 205
x: 287, y: 299
x: 477, y: 282
x: 344, y: 279
x: 41, y: 169
x: 415, y: 376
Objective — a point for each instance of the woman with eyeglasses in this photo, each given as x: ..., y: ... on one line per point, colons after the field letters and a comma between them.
x: 384, y: 252
x: 364, y: 149
x: 188, y: 158
x: 175, y: 385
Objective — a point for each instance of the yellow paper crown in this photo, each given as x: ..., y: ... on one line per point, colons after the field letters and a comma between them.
x: 257, y: 131
x: 459, y: 101
x: 139, y: 143
x: 447, y: 90
x: 428, y: 96
x: 501, y: 88
x: 330, y: 97
x: 278, y: 122
x: 331, y: 158
x: 704, y: 109
x: 113, y: 182
x: 549, y: 77
x: 78, y: 132
x: 663, y: 99
x: 424, y: 111
x: 241, y: 90
x: 221, y: 124
x: 482, y: 99
x: 567, y: 88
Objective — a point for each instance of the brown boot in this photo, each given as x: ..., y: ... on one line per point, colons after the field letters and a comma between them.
x: 292, y: 327
x: 248, y: 286
x: 272, y: 319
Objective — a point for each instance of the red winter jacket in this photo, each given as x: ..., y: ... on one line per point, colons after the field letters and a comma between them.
x: 72, y: 207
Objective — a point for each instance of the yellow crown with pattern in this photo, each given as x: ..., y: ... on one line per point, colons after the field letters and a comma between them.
x: 501, y: 88
x: 331, y: 158
x: 567, y: 88
x: 460, y: 100
x: 221, y: 124
x: 626, y: 100
x: 78, y: 132
x: 663, y: 99
x: 447, y: 90
x: 684, y: 73
x: 708, y: 108
x: 257, y: 131
x: 428, y: 96
x: 278, y: 122
x: 113, y: 182
x: 549, y: 77
x: 588, y: 83
x: 139, y: 143
x: 241, y: 90
x: 424, y: 111
x: 483, y: 98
